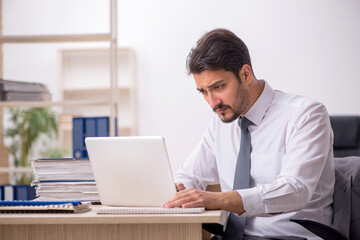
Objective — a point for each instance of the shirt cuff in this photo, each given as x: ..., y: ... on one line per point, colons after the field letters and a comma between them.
x: 187, y: 183
x: 252, y: 201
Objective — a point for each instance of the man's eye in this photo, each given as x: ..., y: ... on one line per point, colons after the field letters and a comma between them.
x: 202, y: 91
x: 219, y: 87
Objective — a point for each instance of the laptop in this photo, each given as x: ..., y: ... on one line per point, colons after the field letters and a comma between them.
x: 131, y: 171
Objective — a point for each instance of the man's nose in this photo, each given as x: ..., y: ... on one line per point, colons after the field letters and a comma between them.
x: 213, y: 100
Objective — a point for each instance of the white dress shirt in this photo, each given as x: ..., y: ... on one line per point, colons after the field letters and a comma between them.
x: 292, y: 169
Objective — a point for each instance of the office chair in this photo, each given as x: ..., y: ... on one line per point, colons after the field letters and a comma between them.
x: 346, y: 135
x: 346, y: 219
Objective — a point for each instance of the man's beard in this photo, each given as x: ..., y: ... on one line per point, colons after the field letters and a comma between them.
x: 242, y: 101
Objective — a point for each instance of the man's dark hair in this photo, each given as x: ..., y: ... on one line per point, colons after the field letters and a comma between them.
x: 218, y: 49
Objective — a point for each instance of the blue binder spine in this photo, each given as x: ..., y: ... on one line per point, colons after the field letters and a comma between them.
x: 88, y: 127
x: 21, y: 192
x: 96, y: 127
x: 2, y: 193
x: 102, y: 126
x: 9, y: 192
x: 78, y: 137
x: 24, y: 192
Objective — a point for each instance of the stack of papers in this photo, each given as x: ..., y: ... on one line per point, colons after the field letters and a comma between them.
x: 64, y: 179
x: 148, y: 210
x: 23, y: 91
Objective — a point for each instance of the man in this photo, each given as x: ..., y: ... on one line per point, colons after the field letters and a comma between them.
x: 291, y: 166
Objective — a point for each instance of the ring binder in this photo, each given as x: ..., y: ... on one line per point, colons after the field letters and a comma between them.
x: 44, y: 206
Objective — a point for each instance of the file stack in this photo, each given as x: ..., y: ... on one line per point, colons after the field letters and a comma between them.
x: 23, y: 91
x: 68, y: 179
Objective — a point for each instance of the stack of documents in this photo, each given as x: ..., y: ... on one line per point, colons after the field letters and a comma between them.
x: 64, y: 179
x: 23, y: 91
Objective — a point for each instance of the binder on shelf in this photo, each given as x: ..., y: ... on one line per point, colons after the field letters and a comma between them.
x: 88, y: 127
x: 1, y: 193
x: 23, y: 91
x: 102, y: 127
x: 21, y: 192
x: 9, y: 193
x: 78, y: 137
x: 17, y: 192
x: 32, y: 193
x: 24, y: 192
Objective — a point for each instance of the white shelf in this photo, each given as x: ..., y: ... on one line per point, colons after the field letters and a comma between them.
x: 110, y: 37
x: 92, y: 90
x: 56, y: 38
x: 88, y: 68
x: 111, y: 78
x: 83, y: 78
x: 16, y: 170
x: 55, y: 103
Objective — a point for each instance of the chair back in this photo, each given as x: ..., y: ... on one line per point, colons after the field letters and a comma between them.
x: 346, y: 135
x: 347, y: 196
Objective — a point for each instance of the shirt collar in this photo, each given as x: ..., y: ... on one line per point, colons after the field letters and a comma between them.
x: 257, y: 111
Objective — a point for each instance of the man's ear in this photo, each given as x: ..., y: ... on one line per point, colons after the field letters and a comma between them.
x: 246, y: 75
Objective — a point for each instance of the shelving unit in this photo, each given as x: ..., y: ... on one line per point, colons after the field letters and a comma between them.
x: 111, y: 90
x: 110, y: 37
x: 84, y: 74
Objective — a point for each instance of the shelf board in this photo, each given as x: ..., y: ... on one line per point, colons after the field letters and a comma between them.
x: 56, y: 38
x: 64, y: 127
x: 76, y: 49
x: 16, y: 170
x: 96, y: 90
x: 49, y: 104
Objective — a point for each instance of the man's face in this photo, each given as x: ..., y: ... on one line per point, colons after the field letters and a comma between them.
x: 224, y: 93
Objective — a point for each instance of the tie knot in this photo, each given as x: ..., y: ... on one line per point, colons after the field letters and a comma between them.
x: 245, y: 123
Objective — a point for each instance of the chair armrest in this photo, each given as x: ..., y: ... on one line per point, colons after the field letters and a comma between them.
x: 321, y: 230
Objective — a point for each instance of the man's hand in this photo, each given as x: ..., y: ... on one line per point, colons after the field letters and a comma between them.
x: 187, y: 198
x: 179, y: 187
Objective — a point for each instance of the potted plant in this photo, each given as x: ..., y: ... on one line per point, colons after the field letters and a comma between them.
x: 28, y: 124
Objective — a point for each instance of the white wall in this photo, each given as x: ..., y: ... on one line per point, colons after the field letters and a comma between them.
x: 301, y: 46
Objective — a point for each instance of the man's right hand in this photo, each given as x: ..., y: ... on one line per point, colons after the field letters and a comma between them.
x: 191, y: 197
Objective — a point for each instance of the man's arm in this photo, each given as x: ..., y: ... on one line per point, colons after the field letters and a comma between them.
x: 307, y: 152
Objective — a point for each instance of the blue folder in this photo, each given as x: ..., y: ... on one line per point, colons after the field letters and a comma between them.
x: 37, y: 203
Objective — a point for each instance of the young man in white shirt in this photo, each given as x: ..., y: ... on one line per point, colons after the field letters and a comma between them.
x: 292, y: 169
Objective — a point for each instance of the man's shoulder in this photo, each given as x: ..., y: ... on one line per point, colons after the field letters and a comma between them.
x: 294, y: 101
x: 298, y: 110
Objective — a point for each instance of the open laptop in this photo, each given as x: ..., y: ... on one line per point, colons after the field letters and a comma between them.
x: 131, y: 171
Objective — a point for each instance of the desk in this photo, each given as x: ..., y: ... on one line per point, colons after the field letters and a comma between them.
x: 89, y: 226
